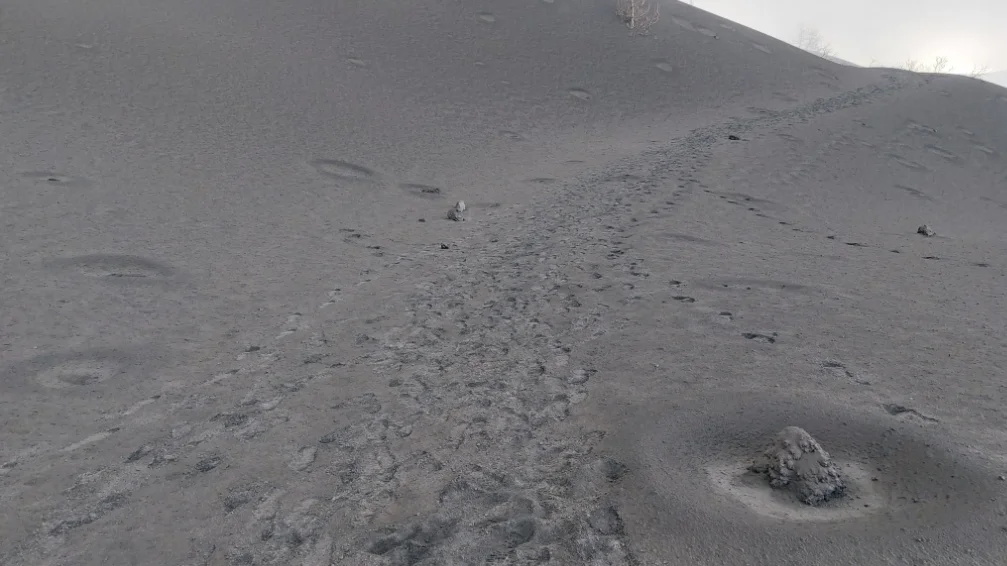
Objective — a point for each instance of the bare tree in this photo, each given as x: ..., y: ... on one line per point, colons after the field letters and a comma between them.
x: 978, y: 71
x: 638, y: 15
x: 809, y: 39
x: 941, y: 64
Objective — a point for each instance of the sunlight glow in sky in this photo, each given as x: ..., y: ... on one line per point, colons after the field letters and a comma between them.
x: 885, y: 32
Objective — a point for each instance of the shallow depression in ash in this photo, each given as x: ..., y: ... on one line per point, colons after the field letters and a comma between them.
x: 71, y: 371
x: 56, y: 179
x: 113, y: 266
x: 345, y: 173
x: 60, y: 398
x: 909, y: 490
x: 75, y: 374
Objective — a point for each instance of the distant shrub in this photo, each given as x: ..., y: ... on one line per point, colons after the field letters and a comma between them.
x: 979, y: 71
x: 940, y: 65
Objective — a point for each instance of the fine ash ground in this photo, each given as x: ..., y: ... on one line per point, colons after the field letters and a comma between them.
x: 240, y: 328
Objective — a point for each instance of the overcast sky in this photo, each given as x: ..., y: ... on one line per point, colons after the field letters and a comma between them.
x: 968, y: 32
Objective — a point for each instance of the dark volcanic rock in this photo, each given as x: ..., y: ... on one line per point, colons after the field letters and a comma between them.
x: 796, y: 462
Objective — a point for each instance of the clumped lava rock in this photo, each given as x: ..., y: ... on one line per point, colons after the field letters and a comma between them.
x: 795, y: 461
x: 926, y: 230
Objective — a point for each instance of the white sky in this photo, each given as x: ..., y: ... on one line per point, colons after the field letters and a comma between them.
x: 968, y: 32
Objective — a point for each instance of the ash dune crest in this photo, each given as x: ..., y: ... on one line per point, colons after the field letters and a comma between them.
x: 693, y: 235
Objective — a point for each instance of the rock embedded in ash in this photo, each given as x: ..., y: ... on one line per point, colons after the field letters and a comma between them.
x: 457, y: 212
x: 926, y: 230
x: 796, y: 462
